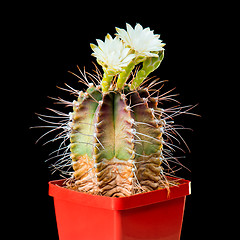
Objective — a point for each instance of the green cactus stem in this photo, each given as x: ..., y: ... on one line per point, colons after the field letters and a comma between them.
x: 120, y: 146
x: 116, y: 141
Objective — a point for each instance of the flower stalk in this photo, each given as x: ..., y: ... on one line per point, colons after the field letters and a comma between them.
x: 106, y: 82
x: 123, y: 76
x: 149, y: 65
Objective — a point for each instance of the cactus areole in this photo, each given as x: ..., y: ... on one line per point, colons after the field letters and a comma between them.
x: 120, y: 138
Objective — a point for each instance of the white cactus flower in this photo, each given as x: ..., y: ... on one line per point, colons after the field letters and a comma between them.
x: 142, y: 41
x: 112, y: 54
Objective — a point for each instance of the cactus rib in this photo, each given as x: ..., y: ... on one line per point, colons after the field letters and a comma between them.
x: 114, y: 132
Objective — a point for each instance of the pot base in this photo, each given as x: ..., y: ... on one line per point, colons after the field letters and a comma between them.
x: 147, y: 216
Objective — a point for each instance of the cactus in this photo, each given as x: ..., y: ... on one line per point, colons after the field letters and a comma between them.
x: 121, y: 145
x: 117, y: 131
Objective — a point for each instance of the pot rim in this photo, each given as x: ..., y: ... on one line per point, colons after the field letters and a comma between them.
x: 112, y: 203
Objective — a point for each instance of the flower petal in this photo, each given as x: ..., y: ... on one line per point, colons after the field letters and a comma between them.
x: 112, y: 54
x: 142, y: 41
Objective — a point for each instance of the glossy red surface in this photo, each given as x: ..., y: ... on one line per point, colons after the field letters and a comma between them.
x: 148, y: 216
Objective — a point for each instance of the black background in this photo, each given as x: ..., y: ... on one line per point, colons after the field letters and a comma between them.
x: 50, y: 42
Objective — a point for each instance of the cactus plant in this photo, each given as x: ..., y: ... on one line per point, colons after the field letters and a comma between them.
x: 119, y: 136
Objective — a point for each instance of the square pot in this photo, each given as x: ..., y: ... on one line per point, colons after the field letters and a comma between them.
x: 147, y: 216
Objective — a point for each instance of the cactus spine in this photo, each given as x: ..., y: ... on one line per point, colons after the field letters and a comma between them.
x: 116, y: 129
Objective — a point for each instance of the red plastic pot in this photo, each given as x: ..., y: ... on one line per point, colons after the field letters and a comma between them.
x: 147, y: 216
